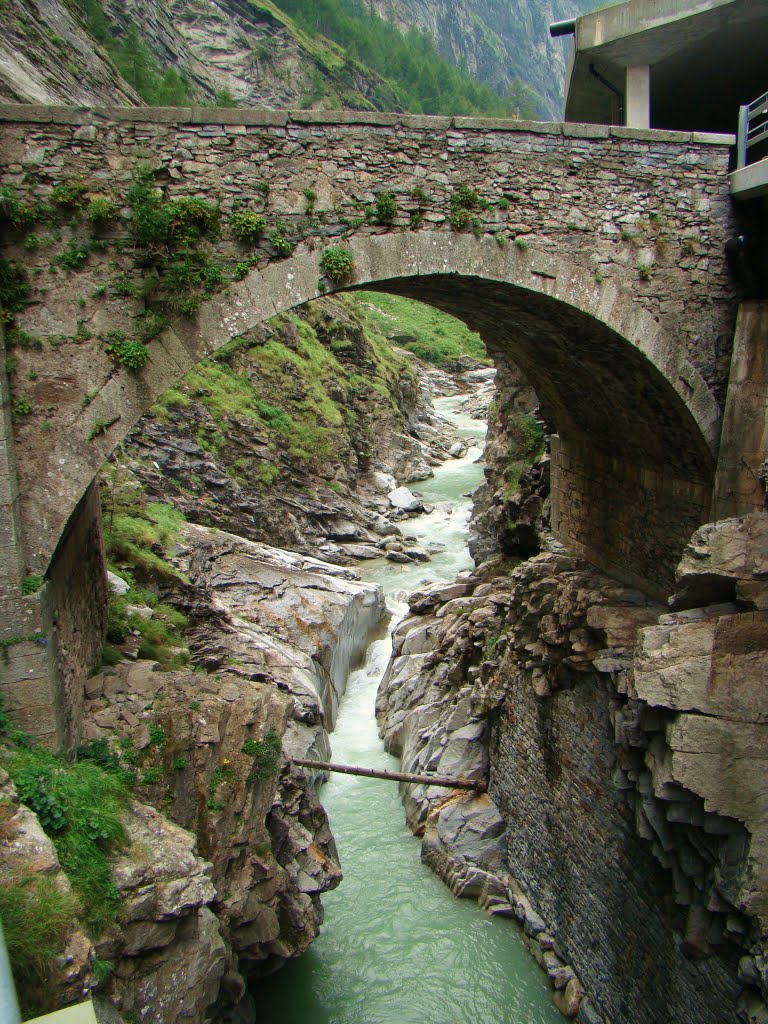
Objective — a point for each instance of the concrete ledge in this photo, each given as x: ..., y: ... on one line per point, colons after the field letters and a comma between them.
x: 750, y: 182
x: 35, y: 113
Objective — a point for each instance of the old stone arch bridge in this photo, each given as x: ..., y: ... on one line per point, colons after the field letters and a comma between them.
x: 594, y: 259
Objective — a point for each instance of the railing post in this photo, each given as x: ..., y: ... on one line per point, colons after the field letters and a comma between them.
x: 741, y: 143
x: 9, y: 1007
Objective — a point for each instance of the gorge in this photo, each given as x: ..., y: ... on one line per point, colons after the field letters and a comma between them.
x: 228, y: 433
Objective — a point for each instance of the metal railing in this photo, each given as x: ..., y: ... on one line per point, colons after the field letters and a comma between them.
x: 753, y: 128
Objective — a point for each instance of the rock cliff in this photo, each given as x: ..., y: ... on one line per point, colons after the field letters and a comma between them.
x: 621, y: 742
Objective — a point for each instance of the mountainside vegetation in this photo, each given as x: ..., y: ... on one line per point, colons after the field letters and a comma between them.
x: 328, y: 54
x: 422, y: 81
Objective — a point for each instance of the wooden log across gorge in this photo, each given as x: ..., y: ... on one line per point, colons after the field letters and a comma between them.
x: 479, y: 785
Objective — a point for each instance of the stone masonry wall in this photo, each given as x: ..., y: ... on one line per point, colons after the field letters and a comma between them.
x: 573, y: 846
x: 643, y: 215
x: 603, y: 503
x: 640, y: 856
x: 608, y: 198
x: 637, y: 878
x: 75, y: 604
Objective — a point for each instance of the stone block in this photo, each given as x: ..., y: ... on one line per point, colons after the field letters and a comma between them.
x: 292, y: 282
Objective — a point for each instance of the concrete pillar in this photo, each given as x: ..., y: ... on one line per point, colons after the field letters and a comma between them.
x: 744, y: 437
x: 638, y: 97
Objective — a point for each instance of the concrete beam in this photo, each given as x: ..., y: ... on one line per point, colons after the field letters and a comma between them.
x: 638, y: 96
x: 750, y: 182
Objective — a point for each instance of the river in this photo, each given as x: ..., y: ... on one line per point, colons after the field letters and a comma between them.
x: 396, y: 947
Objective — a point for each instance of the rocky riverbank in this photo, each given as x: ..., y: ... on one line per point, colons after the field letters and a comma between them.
x: 229, y: 654
x: 592, y: 712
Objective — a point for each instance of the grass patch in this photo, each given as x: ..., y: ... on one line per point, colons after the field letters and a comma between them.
x: 432, y: 335
x: 80, y: 806
x: 37, y: 917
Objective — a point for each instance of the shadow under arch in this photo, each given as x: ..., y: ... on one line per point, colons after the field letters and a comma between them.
x: 637, y: 427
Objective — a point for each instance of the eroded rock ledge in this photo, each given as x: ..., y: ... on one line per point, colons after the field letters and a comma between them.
x: 624, y: 825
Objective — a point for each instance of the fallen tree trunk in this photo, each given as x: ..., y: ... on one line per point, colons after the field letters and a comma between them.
x: 479, y: 785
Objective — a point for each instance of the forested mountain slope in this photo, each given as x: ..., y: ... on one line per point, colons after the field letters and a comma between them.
x: 502, y: 43
x: 292, y: 54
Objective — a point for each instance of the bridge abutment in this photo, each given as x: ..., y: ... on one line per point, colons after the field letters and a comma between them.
x: 631, y: 520
x: 27, y: 683
x: 739, y: 489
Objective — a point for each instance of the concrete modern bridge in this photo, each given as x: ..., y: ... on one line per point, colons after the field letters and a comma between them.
x: 591, y: 256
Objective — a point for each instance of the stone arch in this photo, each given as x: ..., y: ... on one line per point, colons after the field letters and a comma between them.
x: 628, y: 405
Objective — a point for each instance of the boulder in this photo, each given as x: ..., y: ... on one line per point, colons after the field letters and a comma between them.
x: 404, y: 500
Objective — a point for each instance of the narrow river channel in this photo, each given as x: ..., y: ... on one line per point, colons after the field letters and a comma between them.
x: 396, y: 947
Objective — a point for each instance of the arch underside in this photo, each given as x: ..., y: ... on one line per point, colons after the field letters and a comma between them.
x: 590, y: 382
x: 633, y: 417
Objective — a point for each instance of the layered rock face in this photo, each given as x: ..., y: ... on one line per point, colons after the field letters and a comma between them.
x: 626, y: 780
x: 252, y: 56
x: 47, y: 56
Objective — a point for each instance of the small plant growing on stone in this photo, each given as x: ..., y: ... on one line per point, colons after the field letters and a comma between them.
x: 337, y: 264
x: 23, y: 406
x: 521, y: 244
x: 133, y: 355
x: 99, y: 427
x: 150, y: 776
x: 32, y: 242
x: 195, y: 704
x: 243, y: 267
x: 599, y: 276
x: 69, y: 194
x: 386, y: 208
x: 75, y: 255
x: 503, y: 203
x: 311, y: 197
x: 31, y: 585
x: 265, y: 754
x: 157, y: 735
x: 627, y: 235
x: 644, y: 270
x: 102, y: 970
x: 247, y: 226
x: 179, y: 764
x: 463, y: 201
x: 101, y: 210
x: 14, y: 289
x: 282, y: 246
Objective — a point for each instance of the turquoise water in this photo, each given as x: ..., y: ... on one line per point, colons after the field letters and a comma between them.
x: 396, y: 947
